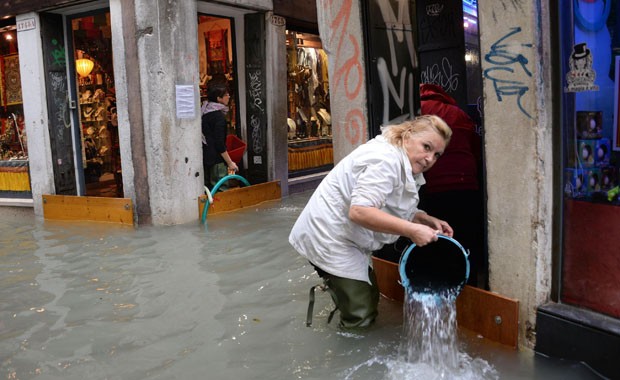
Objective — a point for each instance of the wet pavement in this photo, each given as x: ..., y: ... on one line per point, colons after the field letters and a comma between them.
x: 225, y: 300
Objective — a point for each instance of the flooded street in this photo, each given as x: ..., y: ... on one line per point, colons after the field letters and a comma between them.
x: 225, y: 300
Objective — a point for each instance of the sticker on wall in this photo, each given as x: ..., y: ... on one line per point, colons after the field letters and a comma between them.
x: 580, y: 76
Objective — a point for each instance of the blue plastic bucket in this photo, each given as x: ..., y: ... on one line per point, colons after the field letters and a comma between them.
x: 438, y: 268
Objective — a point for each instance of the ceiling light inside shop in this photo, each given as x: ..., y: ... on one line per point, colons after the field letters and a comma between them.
x: 84, y: 66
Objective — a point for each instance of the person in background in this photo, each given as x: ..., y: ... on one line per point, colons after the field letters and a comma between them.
x: 368, y: 200
x: 216, y: 160
x: 452, y: 191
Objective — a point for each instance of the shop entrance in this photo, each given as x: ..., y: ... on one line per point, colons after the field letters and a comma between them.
x: 90, y: 46
x: 217, y: 62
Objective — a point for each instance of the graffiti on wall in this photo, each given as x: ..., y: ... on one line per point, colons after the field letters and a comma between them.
x: 256, y: 103
x: 437, y: 25
x: 441, y: 74
x: 508, y: 65
x: 58, y: 54
x: 348, y: 74
x: 395, y: 75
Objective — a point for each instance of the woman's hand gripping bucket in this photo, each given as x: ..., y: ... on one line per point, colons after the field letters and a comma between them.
x: 438, y: 269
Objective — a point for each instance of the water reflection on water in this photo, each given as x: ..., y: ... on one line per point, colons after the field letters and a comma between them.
x: 222, y: 301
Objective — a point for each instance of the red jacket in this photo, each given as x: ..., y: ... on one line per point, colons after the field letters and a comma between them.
x: 457, y: 168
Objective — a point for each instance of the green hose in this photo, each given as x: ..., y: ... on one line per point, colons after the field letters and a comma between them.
x: 217, y: 187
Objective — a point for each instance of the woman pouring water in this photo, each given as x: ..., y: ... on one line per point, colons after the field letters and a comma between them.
x: 368, y: 200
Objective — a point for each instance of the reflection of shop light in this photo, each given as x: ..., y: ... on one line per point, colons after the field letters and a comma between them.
x: 84, y: 66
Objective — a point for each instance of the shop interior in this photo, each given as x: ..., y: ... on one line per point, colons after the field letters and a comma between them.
x: 101, y: 159
x: 14, y: 177
x: 215, y: 44
x: 310, y: 148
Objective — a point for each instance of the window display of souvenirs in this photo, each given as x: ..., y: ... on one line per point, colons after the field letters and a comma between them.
x: 308, y: 125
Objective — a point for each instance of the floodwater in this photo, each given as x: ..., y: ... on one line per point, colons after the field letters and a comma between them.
x: 225, y: 300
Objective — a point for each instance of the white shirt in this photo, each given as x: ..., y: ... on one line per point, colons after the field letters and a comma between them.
x: 376, y: 174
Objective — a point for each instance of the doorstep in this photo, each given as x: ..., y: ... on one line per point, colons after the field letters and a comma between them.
x: 17, y: 202
x: 568, y: 332
x: 303, y: 183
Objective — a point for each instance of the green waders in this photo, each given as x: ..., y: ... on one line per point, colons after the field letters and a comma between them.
x: 356, y: 300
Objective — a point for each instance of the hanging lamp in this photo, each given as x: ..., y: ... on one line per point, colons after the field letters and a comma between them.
x: 84, y: 66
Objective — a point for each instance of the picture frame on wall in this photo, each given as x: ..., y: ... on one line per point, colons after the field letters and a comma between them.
x: 616, y: 126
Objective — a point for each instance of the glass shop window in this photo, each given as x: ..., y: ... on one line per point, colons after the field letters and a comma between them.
x: 14, y: 175
x: 310, y: 148
x: 591, y: 146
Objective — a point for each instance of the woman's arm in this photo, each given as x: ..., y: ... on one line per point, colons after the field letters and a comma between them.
x: 229, y: 162
x: 380, y: 221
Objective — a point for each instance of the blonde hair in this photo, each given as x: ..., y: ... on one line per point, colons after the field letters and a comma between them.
x: 396, y: 133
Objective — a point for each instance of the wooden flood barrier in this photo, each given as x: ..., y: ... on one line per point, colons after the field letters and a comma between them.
x: 98, y: 209
x: 240, y: 197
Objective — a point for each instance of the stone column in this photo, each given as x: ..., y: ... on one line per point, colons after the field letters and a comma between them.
x: 161, y: 53
x: 514, y: 39
x: 35, y: 110
x: 342, y: 37
x: 277, y: 143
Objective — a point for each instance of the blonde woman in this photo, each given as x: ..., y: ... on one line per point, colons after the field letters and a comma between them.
x: 368, y: 200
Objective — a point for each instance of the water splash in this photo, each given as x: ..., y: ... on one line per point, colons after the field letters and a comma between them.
x: 430, y: 350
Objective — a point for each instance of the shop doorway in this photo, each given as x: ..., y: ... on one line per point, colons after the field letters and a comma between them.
x: 217, y: 62
x: 98, y: 155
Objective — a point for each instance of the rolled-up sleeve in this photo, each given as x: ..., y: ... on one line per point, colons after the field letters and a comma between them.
x: 376, y: 177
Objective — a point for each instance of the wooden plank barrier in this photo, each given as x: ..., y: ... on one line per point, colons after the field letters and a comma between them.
x: 98, y: 209
x: 240, y: 197
x: 491, y: 315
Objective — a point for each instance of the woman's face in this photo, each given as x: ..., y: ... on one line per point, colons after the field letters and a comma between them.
x: 423, y: 149
x: 224, y: 99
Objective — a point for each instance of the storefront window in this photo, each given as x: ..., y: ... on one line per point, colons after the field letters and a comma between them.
x: 591, y: 79
x: 309, y: 127
x: 14, y: 177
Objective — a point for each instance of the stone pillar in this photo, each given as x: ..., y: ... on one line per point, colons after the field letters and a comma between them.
x: 161, y: 53
x: 518, y: 148
x: 277, y: 147
x: 342, y: 38
x: 35, y: 110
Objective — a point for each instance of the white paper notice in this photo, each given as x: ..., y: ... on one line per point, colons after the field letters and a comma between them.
x: 186, y: 107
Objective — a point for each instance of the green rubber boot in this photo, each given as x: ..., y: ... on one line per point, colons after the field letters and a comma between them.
x: 356, y: 300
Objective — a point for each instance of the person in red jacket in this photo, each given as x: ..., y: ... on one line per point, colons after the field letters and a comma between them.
x: 452, y: 191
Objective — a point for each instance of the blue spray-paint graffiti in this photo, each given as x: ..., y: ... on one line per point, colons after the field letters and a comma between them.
x: 502, y: 56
